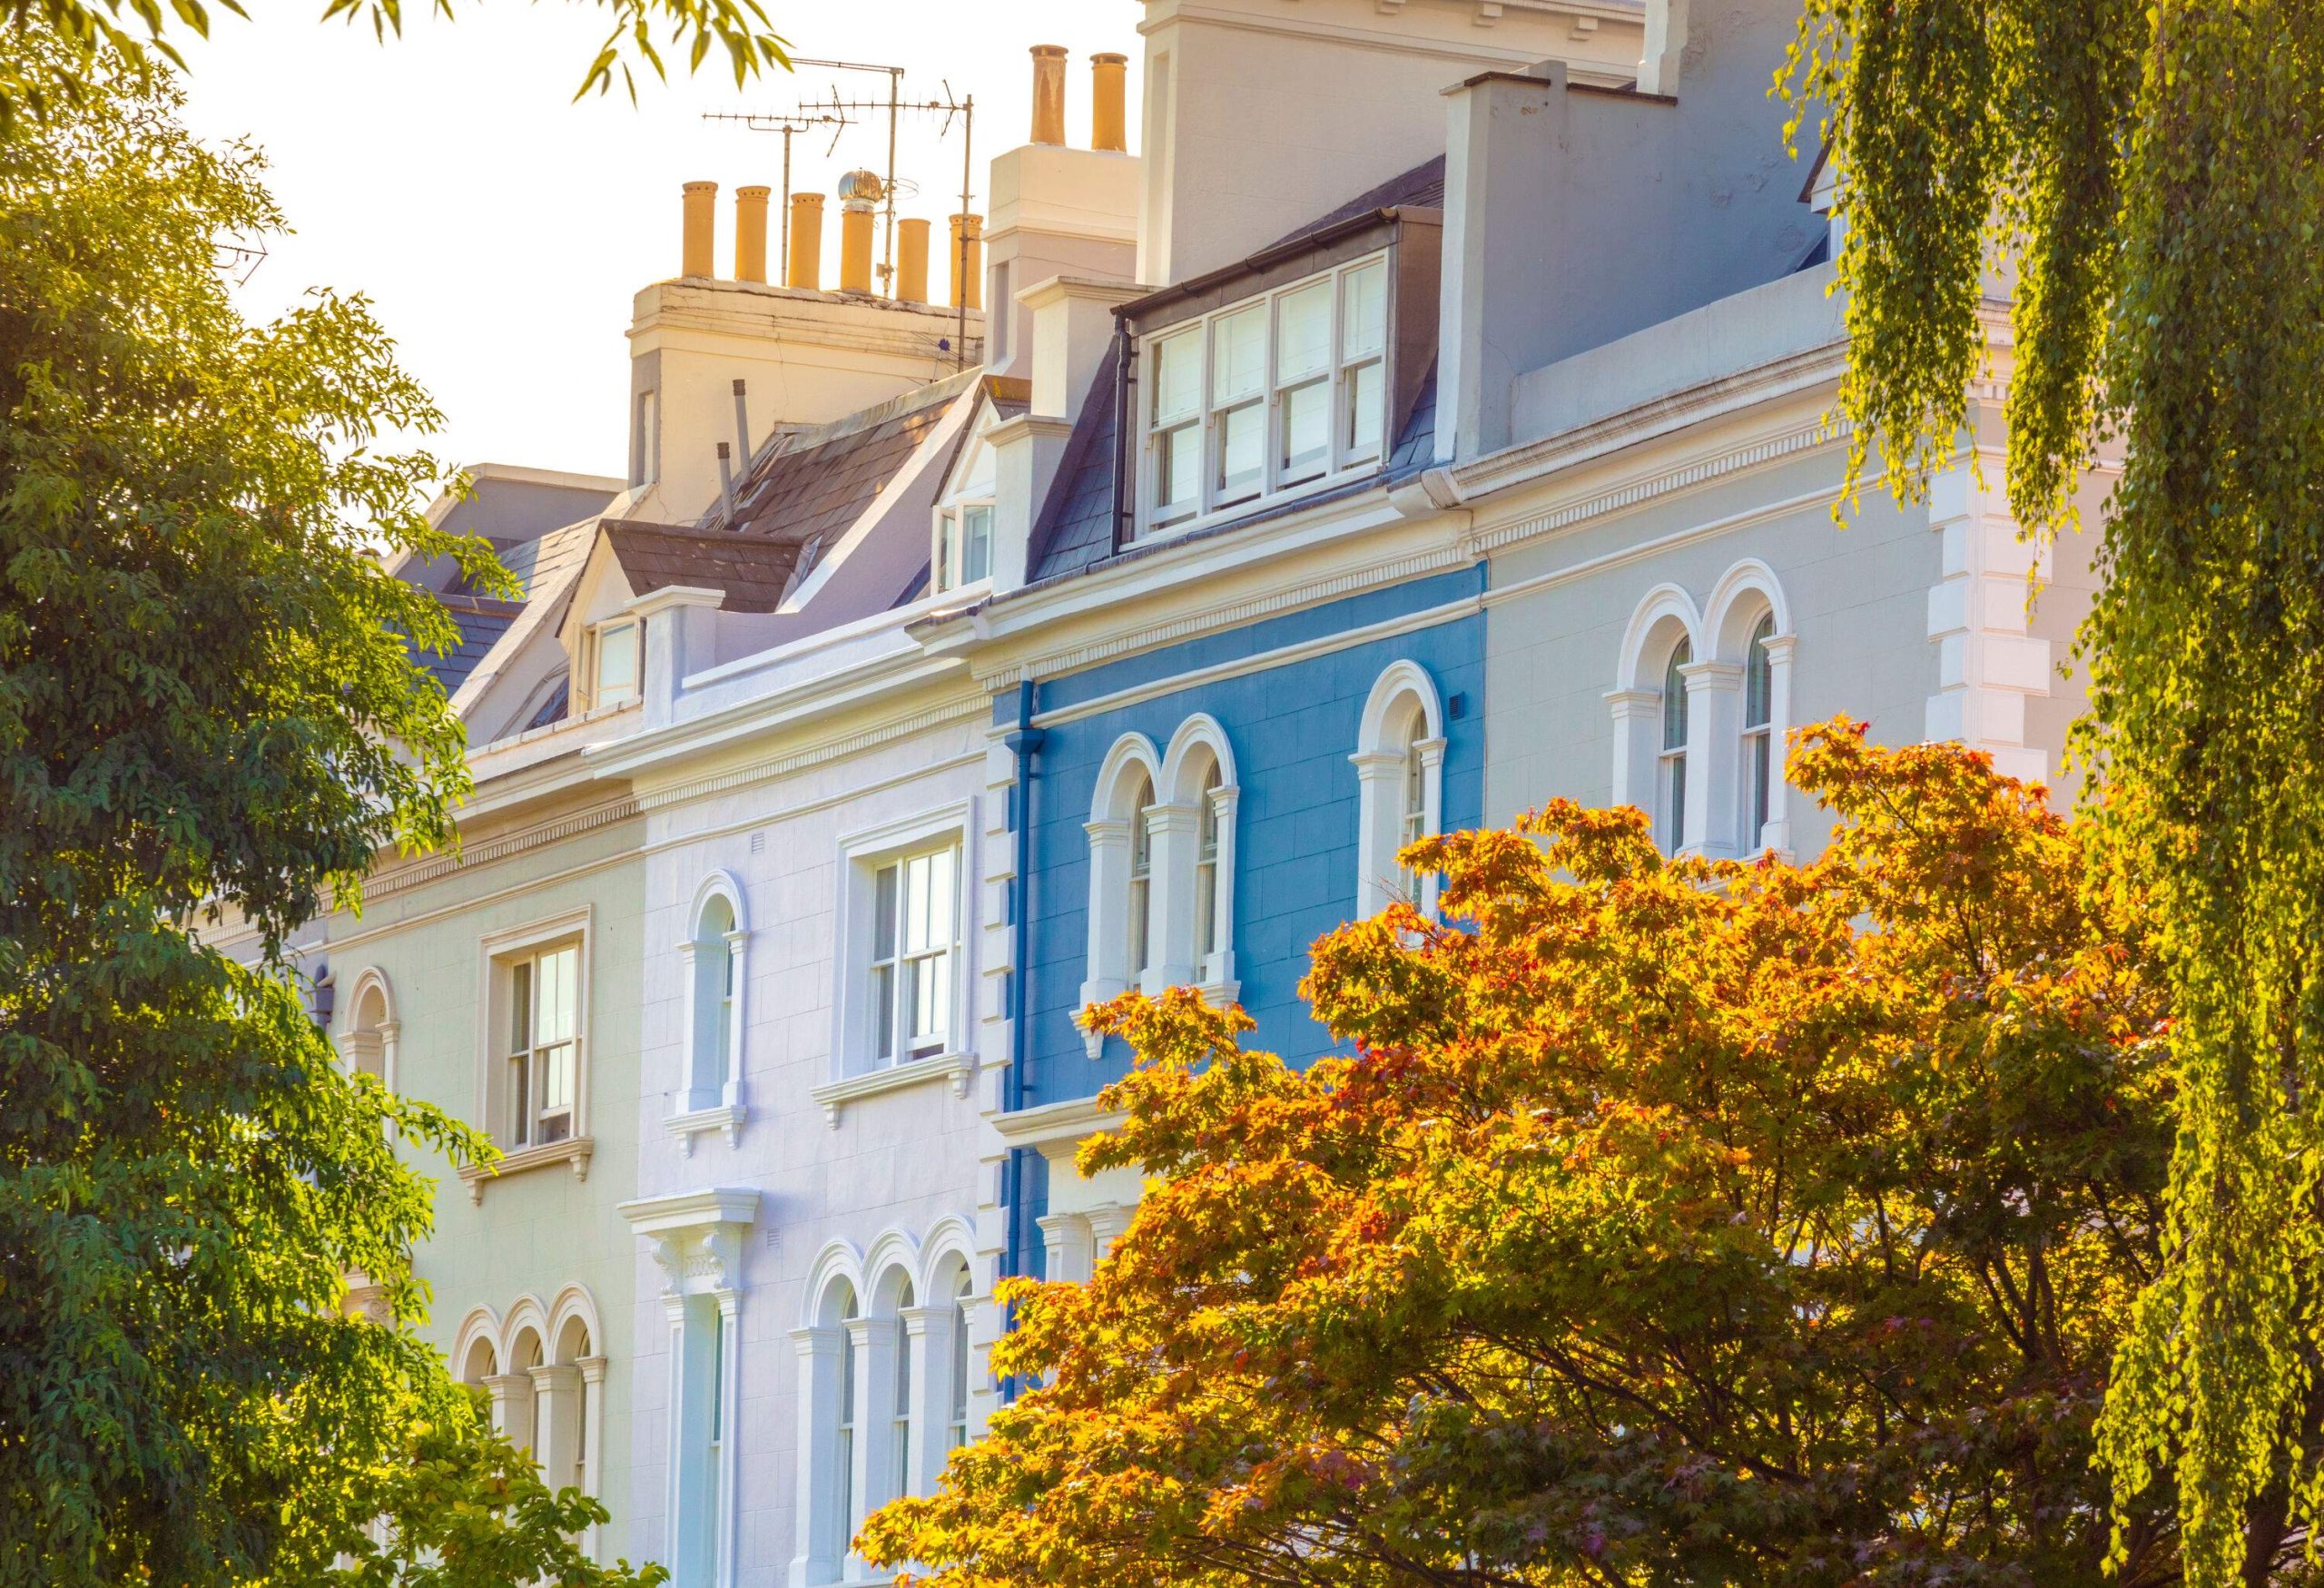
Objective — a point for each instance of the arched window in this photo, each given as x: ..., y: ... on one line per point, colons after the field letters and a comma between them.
x: 1192, y: 908
x: 1744, y: 701
x: 1758, y: 748
x: 369, y: 1043
x: 1139, y: 904
x: 843, y: 1424
x: 956, y: 1421
x: 1122, y: 901
x: 1207, y: 914
x: 899, y: 1429
x: 1400, y: 770
x: 1670, y: 799
x: 710, y: 1094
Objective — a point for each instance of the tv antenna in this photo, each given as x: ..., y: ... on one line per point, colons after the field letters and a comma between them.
x: 790, y: 126
x: 840, y: 113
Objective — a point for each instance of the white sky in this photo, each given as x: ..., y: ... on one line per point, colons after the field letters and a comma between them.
x: 500, y: 230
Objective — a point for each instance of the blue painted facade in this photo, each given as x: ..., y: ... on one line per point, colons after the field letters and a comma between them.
x: 1291, y: 728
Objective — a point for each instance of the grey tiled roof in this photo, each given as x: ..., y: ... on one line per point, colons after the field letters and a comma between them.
x: 809, y: 487
x: 752, y: 571
x: 481, y: 621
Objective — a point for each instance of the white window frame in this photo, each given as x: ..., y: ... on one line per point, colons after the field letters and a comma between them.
x: 632, y: 632
x: 1673, y: 755
x: 1400, y: 740
x: 863, y: 855
x: 1115, y: 913
x: 1345, y: 368
x: 970, y: 491
x: 1186, y: 797
x: 710, y: 1091
x: 500, y: 953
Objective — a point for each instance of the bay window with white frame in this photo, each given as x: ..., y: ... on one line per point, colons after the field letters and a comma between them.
x: 1275, y: 394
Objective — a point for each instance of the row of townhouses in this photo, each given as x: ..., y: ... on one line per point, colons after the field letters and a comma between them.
x: 1429, y: 419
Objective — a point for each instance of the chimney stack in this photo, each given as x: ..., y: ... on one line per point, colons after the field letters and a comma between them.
x: 1049, y: 94
x: 805, y: 267
x: 750, y: 233
x: 701, y: 229
x: 968, y: 262
x: 859, y: 192
x: 1108, y: 124
x: 911, y: 262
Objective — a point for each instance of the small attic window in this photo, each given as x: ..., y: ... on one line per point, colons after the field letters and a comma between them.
x: 615, y: 662
x: 961, y: 552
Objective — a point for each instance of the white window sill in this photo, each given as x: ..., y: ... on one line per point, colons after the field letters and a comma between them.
x: 574, y: 1151
x: 692, y: 1122
x: 1149, y: 533
x: 959, y: 1069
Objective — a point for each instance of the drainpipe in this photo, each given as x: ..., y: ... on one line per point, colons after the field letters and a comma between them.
x: 1024, y: 741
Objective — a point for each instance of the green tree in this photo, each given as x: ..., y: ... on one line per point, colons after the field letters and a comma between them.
x: 208, y: 706
x: 48, y: 48
x: 1671, y: 1223
x: 2149, y: 171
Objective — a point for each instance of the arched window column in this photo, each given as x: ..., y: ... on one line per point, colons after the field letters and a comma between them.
x: 1194, y: 864
x: 830, y: 1404
x: 1121, y: 922
x: 1665, y: 628
x: 1400, y: 785
x: 714, y: 969
x: 1747, y: 627
x: 1715, y: 719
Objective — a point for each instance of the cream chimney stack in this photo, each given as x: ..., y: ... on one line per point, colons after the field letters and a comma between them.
x: 968, y: 262
x: 701, y: 229
x: 750, y: 233
x: 1108, y: 125
x: 805, y: 267
x: 1049, y: 94
x: 911, y: 262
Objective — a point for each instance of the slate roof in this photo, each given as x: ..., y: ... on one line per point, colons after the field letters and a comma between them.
x: 1421, y: 188
x: 481, y: 621
x: 752, y: 570
x: 807, y: 488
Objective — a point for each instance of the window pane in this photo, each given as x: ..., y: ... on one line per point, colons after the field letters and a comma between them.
x: 1307, y: 429
x: 931, y: 1001
x: 976, y: 544
x: 557, y: 1016
x: 618, y: 659
x: 519, y: 1100
x: 1757, y: 682
x: 884, y: 1011
x: 520, y: 1008
x: 1674, y: 697
x: 1177, y: 370
x: 1178, y: 465
x: 1241, y: 448
x: 556, y: 1078
x: 1367, y: 393
x: 884, y: 913
x: 1304, y: 319
x: 1367, y: 311
x: 1238, y: 354
x: 942, y: 564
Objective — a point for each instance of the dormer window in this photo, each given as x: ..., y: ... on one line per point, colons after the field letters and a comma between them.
x: 1270, y: 395
x: 962, y: 552
x: 614, y: 663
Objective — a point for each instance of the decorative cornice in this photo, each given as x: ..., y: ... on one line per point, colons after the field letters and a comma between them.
x: 432, y: 868
x: 1667, y: 482
x: 974, y: 708
x: 574, y: 1151
x: 1226, y: 614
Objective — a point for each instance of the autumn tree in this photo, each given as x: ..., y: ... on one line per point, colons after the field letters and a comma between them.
x: 1661, y: 1221
x: 2147, y: 175
x: 208, y: 702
